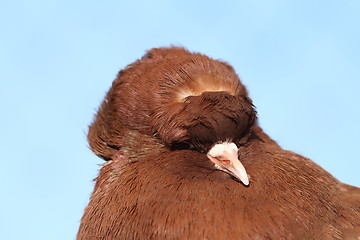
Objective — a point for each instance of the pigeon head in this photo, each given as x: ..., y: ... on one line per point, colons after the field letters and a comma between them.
x: 184, y: 100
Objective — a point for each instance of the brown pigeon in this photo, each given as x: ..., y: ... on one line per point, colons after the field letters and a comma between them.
x: 186, y: 159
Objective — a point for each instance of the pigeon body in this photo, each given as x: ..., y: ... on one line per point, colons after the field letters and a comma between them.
x: 158, y: 128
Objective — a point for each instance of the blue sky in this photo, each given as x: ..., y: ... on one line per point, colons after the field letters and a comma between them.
x: 299, y: 59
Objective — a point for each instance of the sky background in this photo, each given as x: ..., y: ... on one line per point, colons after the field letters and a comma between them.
x: 299, y: 59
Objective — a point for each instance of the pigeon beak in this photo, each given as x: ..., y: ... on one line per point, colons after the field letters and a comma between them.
x: 225, y: 157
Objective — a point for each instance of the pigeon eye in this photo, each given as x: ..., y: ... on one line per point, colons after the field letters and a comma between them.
x: 179, y: 146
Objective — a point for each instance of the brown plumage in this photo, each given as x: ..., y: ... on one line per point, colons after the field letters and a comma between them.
x: 157, y: 126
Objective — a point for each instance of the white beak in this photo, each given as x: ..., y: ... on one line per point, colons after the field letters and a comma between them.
x: 225, y: 157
